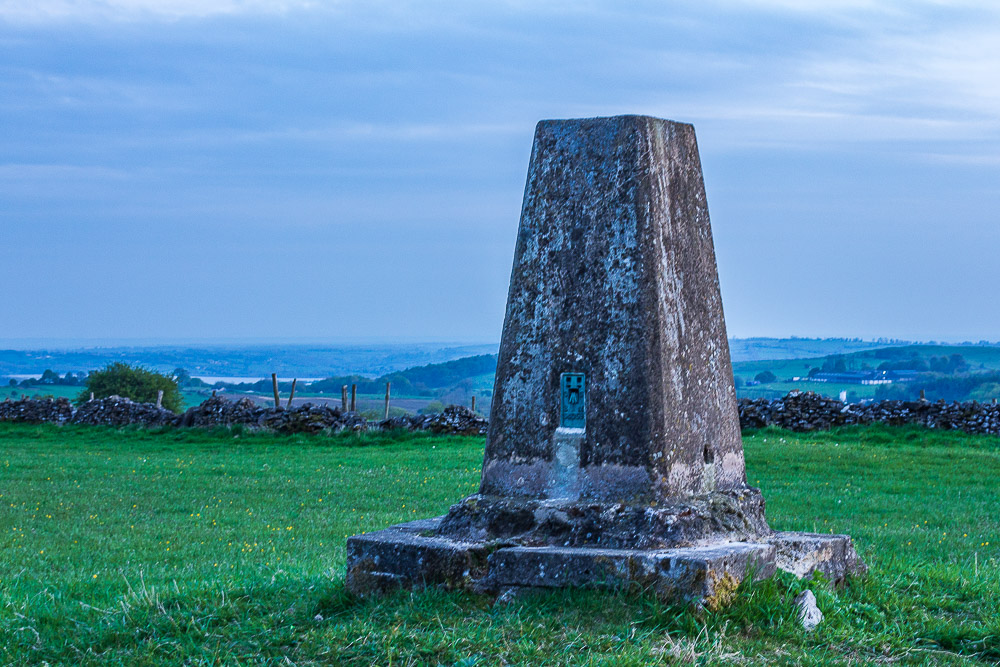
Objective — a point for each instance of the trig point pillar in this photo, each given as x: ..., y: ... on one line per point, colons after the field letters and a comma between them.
x: 614, y: 451
x: 614, y: 287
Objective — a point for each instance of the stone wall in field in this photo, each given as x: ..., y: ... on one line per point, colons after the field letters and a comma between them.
x: 806, y: 411
x: 36, y: 411
x: 218, y: 411
x: 798, y: 411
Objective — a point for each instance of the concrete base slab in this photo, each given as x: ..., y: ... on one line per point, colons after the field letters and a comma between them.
x: 414, y: 555
x: 805, y: 554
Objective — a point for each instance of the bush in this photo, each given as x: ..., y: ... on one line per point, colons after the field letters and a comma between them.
x: 985, y: 392
x: 134, y: 382
x: 432, y: 408
x: 765, y: 376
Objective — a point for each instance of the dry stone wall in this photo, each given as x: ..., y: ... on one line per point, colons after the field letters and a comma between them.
x: 218, y: 411
x: 807, y: 411
x: 798, y: 411
x: 120, y: 411
x: 36, y: 411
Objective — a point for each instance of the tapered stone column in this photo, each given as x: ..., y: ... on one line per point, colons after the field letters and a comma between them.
x: 614, y: 278
x: 614, y: 450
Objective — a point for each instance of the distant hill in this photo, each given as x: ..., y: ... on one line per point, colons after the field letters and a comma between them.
x: 454, y: 373
x: 339, y: 360
x: 757, y: 349
x: 428, y: 380
x: 245, y: 361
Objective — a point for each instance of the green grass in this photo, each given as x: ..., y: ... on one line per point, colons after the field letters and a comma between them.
x: 979, y: 358
x: 139, y: 547
x: 780, y: 389
x: 55, y: 390
x: 756, y: 349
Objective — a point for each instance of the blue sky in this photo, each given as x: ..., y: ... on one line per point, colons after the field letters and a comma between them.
x: 209, y: 169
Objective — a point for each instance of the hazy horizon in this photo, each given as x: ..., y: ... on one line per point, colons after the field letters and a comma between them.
x: 31, y: 344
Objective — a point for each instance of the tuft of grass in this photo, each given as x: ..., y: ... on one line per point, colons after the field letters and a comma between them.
x: 170, y: 546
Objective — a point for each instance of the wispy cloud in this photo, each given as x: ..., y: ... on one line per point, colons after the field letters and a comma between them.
x: 38, y: 89
x: 922, y: 70
x: 374, y: 132
x: 45, y: 11
x: 60, y: 172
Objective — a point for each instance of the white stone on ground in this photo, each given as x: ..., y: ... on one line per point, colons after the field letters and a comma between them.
x: 809, y: 614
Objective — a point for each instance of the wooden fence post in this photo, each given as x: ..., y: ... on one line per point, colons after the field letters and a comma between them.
x: 386, y: 400
x: 274, y: 384
x: 354, y: 398
x: 292, y: 395
x: 343, y: 398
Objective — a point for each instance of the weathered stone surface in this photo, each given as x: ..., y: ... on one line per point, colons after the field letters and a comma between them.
x: 809, y: 614
x: 453, y: 420
x: 219, y: 411
x: 614, y: 277
x: 807, y: 411
x: 804, y: 554
x: 311, y: 418
x: 798, y: 411
x: 684, y: 574
x: 732, y: 515
x: 120, y: 411
x: 408, y: 555
x: 614, y: 386
x: 613, y: 454
x: 413, y: 555
x: 37, y: 410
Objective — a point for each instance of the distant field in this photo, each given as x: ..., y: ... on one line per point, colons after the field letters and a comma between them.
x: 47, y: 390
x: 288, y: 360
x: 781, y: 389
x: 763, y: 349
x: 786, y: 358
x: 979, y: 358
x: 138, y: 547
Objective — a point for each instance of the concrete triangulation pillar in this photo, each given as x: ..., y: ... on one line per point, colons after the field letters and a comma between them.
x: 614, y: 451
x: 615, y: 287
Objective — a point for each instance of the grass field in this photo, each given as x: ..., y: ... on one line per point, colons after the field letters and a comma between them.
x: 980, y: 359
x: 774, y: 390
x: 135, y: 547
x: 57, y: 391
x: 761, y: 349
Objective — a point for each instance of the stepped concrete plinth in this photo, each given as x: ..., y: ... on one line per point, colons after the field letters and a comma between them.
x: 614, y: 453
